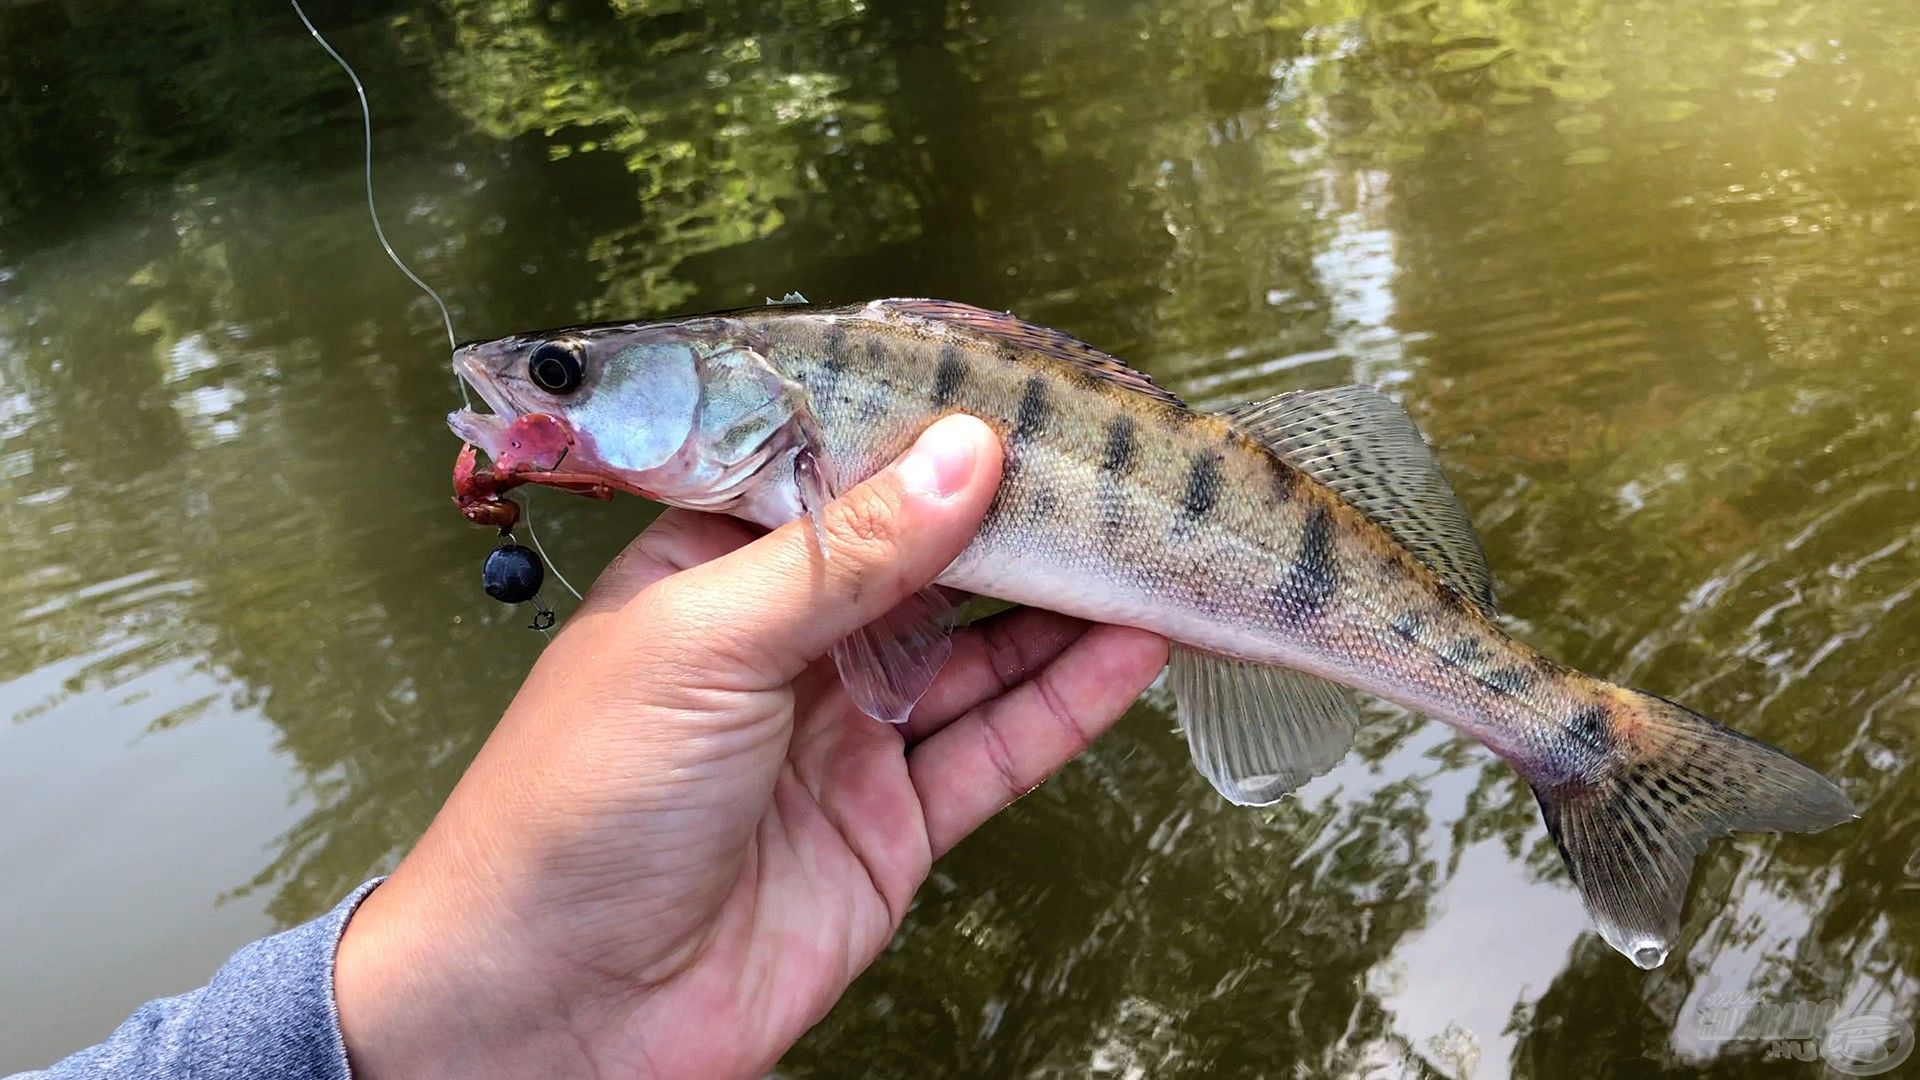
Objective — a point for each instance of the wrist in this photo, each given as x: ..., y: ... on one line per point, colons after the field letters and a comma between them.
x: 425, y: 991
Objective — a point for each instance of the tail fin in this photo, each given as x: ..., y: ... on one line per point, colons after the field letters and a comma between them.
x: 1670, y: 780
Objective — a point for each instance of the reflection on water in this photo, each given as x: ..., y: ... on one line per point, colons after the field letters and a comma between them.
x: 1646, y: 273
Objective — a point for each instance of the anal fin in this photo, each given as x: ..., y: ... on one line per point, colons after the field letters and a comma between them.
x: 1258, y: 732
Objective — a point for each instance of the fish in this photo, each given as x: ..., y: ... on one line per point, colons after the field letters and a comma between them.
x: 1292, y: 550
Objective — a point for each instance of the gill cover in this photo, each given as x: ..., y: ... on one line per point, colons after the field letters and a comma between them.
x: 641, y: 403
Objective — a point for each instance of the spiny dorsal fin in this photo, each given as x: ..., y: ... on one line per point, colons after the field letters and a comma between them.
x: 1258, y: 732
x: 1357, y: 441
x: 1003, y: 327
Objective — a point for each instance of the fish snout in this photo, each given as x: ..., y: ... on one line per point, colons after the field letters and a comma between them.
x: 488, y: 367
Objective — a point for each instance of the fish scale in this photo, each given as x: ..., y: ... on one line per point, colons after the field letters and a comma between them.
x: 1201, y: 513
x: 1292, y: 550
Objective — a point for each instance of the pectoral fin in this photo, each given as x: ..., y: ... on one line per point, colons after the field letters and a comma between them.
x: 888, y: 664
x: 816, y: 491
x: 1258, y: 732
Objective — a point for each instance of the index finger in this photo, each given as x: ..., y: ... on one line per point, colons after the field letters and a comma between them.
x: 976, y: 766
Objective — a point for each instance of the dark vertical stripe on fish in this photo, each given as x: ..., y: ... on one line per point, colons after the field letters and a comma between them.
x: 1203, y: 485
x: 947, y: 379
x: 880, y: 355
x: 1286, y: 479
x: 1461, y: 651
x: 1310, y: 580
x: 831, y: 365
x: 1408, y: 625
x: 1035, y: 409
x: 1588, y: 726
x: 1033, y: 416
x: 1113, y: 512
x: 1120, y: 446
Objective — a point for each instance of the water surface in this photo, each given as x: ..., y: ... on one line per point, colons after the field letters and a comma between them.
x: 1648, y: 274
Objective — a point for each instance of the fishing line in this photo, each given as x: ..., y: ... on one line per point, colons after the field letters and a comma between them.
x: 366, y: 130
x: 526, y: 518
x: 544, y: 616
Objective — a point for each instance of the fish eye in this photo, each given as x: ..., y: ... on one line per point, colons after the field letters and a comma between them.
x: 555, y: 368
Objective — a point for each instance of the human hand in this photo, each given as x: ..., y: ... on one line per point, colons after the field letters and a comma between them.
x: 683, y: 841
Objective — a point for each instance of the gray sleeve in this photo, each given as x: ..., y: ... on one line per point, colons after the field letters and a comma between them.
x: 269, y: 1011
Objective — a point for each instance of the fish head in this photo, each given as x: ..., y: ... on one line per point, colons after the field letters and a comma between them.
x: 685, y: 412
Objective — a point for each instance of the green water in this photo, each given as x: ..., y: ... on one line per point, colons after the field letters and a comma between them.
x: 1648, y: 273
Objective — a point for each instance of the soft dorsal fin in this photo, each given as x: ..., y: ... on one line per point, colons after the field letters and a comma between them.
x: 1358, y: 442
x: 1005, y: 328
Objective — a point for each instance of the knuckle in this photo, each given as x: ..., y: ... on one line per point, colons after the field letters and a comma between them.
x: 677, y: 617
x: 1005, y: 656
x: 669, y: 615
x: 864, y: 522
x: 999, y: 755
x: 666, y: 604
x: 1077, y: 733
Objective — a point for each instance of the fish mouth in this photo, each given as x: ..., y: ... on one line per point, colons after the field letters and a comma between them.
x: 473, y: 371
x: 488, y: 431
x: 537, y: 449
x: 526, y: 447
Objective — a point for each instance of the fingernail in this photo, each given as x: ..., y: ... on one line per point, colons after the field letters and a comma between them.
x: 941, y: 461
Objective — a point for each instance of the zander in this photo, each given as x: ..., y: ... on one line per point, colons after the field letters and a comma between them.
x: 1290, y: 549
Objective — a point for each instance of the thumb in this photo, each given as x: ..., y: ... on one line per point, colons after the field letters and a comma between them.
x: 774, y: 606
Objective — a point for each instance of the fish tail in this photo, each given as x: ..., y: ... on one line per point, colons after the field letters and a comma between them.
x: 1661, y: 780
